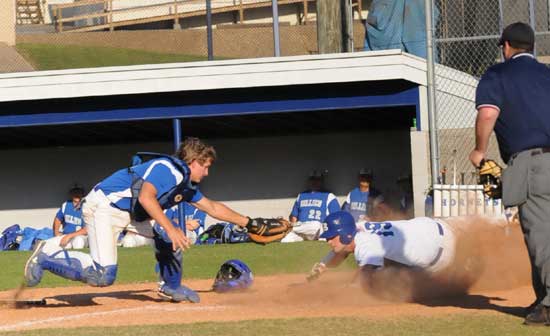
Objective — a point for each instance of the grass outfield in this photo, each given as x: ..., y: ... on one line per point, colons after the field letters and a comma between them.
x: 459, y: 325
x: 55, y: 57
x: 200, y: 262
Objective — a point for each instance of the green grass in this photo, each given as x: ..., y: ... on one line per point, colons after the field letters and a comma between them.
x: 200, y: 262
x: 459, y: 325
x: 54, y: 57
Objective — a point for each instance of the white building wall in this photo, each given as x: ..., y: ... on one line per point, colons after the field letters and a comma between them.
x: 258, y: 177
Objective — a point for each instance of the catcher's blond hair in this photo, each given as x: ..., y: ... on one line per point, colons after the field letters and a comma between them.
x: 192, y: 149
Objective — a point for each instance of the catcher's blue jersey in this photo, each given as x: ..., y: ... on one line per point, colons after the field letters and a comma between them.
x: 70, y: 217
x: 314, y: 206
x: 159, y: 172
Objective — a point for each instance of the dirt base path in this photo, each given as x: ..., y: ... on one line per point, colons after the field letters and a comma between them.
x: 285, y: 296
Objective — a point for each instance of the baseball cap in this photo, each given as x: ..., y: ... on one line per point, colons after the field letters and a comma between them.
x: 315, y: 175
x: 520, y: 33
x: 365, y: 172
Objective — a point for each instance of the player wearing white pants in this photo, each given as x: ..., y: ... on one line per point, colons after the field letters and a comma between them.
x: 309, y: 211
x: 308, y: 230
x: 422, y: 243
x: 68, y: 221
x: 137, y: 195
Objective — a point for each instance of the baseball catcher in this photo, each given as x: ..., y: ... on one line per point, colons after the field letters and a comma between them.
x: 267, y: 230
x: 489, y: 177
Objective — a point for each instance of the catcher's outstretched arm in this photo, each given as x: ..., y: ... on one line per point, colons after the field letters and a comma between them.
x: 221, y: 211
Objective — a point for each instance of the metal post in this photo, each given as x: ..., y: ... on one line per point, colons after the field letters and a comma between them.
x: 350, y: 27
x: 532, y: 21
x: 177, y: 25
x: 347, y: 22
x: 209, y: 30
x: 501, y: 23
x: 432, y: 115
x: 176, y: 124
x: 276, y: 40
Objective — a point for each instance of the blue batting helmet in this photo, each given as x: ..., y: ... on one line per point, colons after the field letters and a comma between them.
x: 340, y: 223
x: 233, y: 275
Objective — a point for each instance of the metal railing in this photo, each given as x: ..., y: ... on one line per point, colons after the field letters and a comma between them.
x: 109, y: 14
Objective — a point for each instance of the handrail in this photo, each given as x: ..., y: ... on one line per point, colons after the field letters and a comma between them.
x: 78, y: 4
x: 174, y: 5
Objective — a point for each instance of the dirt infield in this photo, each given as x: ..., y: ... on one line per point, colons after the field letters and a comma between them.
x: 273, y: 297
x: 502, y: 287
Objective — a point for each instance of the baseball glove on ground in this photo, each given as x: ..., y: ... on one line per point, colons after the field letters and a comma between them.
x: 267, y: 230
x: 489, y: 177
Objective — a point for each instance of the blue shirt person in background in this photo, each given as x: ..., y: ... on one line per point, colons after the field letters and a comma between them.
x: 397, y: 24
x: 362, y: 201
x: 194, y: 221
x: 310, y: 210
x: 68, y: 220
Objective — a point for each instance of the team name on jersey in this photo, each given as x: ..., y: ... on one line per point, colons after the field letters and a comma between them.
x: 311, y: 203
x: 73, y: 220
x: 362, y: 206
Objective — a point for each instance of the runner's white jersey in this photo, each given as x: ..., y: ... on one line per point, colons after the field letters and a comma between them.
x: 416, y: 242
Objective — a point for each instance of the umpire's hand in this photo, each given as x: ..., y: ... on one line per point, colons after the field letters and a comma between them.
x: 476, y: 157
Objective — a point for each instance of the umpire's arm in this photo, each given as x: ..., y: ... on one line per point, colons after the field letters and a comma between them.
x: 485, y: 123
x: 221, y: 211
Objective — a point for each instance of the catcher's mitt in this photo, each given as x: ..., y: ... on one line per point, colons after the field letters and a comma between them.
x: 489, y: 177
x: 267, y: 230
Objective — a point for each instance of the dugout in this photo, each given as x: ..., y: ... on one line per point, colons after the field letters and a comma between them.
x: 271, y: 120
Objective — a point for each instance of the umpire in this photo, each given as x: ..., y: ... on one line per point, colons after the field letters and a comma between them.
x: 513, y: 98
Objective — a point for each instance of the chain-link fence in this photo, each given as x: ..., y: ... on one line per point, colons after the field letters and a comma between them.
x: 57, y: 34
x: 466, y: 44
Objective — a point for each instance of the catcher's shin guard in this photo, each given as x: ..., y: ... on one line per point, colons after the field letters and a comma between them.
x: 71, y: 268
x: 169, y: 262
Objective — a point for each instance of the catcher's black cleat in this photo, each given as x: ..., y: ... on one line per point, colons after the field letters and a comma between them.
x: 540, y: 316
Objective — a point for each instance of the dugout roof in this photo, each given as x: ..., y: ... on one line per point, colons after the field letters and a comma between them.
x: 272, y: 96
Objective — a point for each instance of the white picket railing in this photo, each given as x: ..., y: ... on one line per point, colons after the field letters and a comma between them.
x: 464, y: 200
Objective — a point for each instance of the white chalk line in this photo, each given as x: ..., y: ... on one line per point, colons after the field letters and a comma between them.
x: 31, y: 323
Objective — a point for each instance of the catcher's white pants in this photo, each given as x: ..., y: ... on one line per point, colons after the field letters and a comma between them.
x: 301, y: 231
x: 104, y: 224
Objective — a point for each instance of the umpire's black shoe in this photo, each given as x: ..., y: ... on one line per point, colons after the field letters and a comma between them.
x: 529, y: 309
x: 540, y: 316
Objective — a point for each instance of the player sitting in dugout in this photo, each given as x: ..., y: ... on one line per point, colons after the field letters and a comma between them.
x: 310, y: 210
x: 365, y: 202
x: 194, y: 221
x: 68, y: 221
